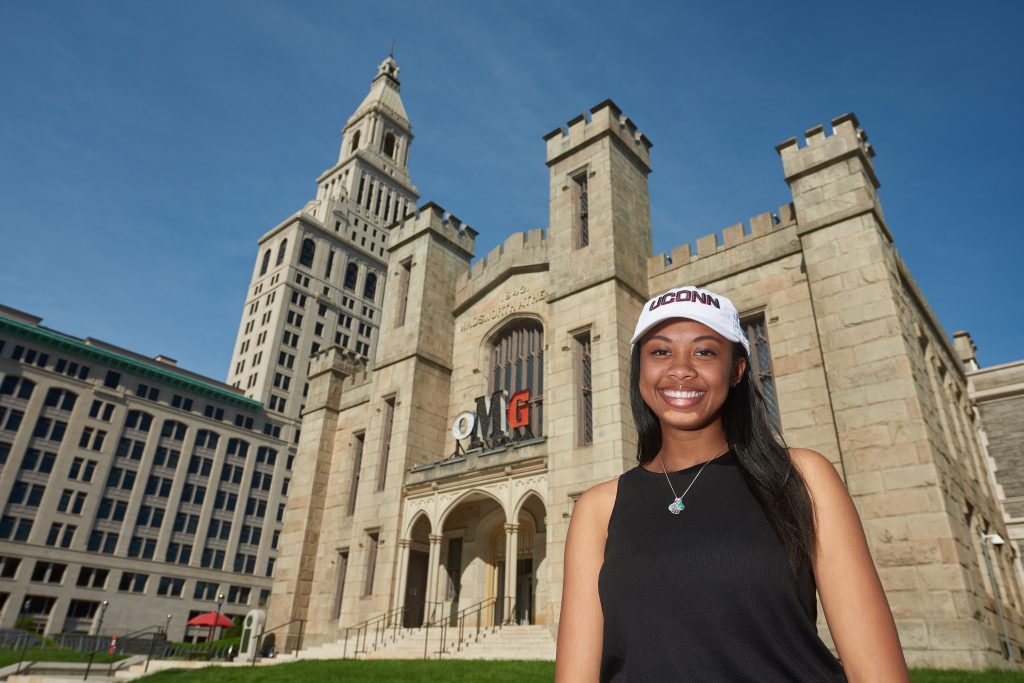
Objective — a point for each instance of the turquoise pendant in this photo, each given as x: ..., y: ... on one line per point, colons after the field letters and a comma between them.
x: 676, y: 506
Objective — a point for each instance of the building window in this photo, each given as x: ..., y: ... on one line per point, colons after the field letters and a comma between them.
x: 370, y: 288
x: 585, y: 423
x: 355, y: 142
x: 15, y: 528
x: 20, y: 387
x: 92, y: 577
x: 266, y: 262
x: 205, y: 590
x: 372, y: 539
x: 48, y: 572
x: 112, y: 380
x: 385, y: 441
x: 761, y: 363
x: 517, y: 364
x: 308, y: 253
x: 389, y: 144
x: 351, y: 275
x: 581, y: 211
x: 170, y: 587
x: 357, y: 464
x: 59, y: 398
x: 133, y: 583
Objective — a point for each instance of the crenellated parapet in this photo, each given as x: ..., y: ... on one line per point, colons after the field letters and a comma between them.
x: 736, y: 235
x: 821, y: 149
x: 434, y: 219
x: 521, y: 252
x: 604, y: 119
x: 832, y: 177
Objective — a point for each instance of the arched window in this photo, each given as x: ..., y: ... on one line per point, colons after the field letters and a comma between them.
x: 266, y: 262
x: 173, y: 429
x: 389, y: 144
x: 370, y: 288
x: 308, y: 252
x: 517, y: 363
x: 138, y: 420
x: 351, y: 275
x: 21, y: 387
x: 206, y: 439
x: 355, y: 142
x: 280, y: 252
x: 58, y: 398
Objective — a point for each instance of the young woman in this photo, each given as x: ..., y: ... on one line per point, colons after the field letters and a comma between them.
x: 701, y: 563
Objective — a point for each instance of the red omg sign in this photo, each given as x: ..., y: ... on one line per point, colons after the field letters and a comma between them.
x: 498, y: 419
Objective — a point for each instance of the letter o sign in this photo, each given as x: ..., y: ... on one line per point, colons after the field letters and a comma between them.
x: 464, y: 424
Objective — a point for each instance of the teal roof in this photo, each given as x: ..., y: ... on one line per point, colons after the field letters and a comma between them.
x: 120, y: 361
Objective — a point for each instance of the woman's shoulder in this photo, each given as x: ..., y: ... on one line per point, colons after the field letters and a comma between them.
x: 596, y: 503
x: 819, y: 473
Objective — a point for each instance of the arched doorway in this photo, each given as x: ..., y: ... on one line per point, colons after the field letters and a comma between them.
x: 416, y: 579
x: 468, y: 567
x: 517, y: 594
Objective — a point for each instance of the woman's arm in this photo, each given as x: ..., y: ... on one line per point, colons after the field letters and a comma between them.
x: 855, y: 606
x: 581, y: 624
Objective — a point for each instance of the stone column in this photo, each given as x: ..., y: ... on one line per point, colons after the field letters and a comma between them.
x: 403, y: 577
x: 511, y: 557
x: 433, y: 565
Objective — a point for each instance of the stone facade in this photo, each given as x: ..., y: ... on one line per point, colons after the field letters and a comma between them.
x: 129, y: 480
x: 997, y: 395
x: 390, y: 512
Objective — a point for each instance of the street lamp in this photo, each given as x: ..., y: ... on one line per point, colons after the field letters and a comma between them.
x: 167, y: 628
x: 997, y: 540
x: 220, y: 603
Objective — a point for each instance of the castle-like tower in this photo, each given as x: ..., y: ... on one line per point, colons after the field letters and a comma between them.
x: 319, y: 275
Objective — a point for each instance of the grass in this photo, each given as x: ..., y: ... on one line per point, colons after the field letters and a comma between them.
x: 375, y: 670
x: 460, y: 672
x: 953, y: 676
x: 35, y: 654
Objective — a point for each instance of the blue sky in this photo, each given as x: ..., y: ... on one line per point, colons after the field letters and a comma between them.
x: 145, y: 146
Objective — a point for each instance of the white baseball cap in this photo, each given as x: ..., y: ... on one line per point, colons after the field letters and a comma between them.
x: 693, y: 303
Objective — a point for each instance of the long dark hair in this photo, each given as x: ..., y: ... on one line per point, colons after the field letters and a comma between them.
x: 760, y: 449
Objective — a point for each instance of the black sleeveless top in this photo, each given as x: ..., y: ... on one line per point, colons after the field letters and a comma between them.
x: 706, y: 595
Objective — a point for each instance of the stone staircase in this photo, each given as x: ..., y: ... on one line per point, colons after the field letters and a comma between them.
x: 508, y: 642
x: 511, y: 642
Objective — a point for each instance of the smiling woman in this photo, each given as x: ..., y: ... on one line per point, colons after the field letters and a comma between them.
x: 703, y: 562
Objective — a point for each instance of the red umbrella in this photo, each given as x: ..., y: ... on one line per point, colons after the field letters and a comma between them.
x: 211, y: 619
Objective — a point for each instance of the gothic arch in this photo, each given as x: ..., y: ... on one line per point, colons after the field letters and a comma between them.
x: 420, y: 514
x: 518, y: 507
x: 464, y: 497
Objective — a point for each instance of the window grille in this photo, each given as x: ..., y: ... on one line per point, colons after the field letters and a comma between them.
x: 761, y: 363
x: 585, y: 428
x: 517, y: 363
x: 581, y: 209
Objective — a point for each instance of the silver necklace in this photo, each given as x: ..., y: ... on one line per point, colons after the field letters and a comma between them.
x: 676, y: 506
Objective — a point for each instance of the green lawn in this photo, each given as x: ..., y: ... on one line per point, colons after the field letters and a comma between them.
x: 8, y: 657
x: 379, y: 670
x: 457, y: 672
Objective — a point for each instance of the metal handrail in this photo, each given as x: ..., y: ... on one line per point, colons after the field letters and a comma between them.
x: 110, y: 668
x: 459, y: 620
x: 259, y: 638
x: 380, y: 625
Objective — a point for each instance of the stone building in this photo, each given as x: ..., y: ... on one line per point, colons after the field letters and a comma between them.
x: 997, y: 394
x: 130, y: 480
x: 442, y: 474
x: 319, y: 275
